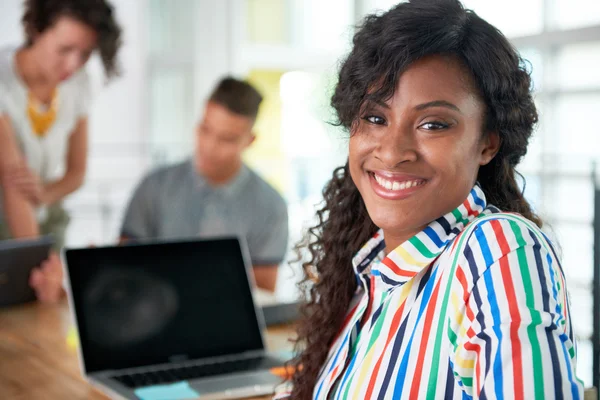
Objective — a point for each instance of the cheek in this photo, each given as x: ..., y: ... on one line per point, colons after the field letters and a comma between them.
x: 205, y: 140
x: 50, y: 48
x: 451, y: 157
x: 360, y: 146
x: 457, y: 169
x: 227, y: 151
x: 446, y: 160
x: 354, y: 159
x: 55, y: 59
x: 199, y: 142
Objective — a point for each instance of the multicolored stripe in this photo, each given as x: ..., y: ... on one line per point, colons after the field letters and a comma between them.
x: 474, y: 306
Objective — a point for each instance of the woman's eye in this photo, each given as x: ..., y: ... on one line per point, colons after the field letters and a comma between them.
x: 434, y: 126
x: 373, y: 119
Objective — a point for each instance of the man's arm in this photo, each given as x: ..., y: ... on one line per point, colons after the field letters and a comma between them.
x: 140, y: 217
x: 268, y: 246
x: 266, y: 276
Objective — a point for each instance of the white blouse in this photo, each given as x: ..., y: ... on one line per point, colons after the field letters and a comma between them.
x: 45, y: 155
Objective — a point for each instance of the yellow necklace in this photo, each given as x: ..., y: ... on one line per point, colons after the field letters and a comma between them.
x: 41, y: 120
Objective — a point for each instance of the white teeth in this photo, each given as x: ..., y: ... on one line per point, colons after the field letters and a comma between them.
x: 393, y: 185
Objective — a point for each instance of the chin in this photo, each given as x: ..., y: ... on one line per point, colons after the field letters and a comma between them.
x: 387, y: 220
x: 394, y: 219
x: 389, y: 225
x: 203, y: 167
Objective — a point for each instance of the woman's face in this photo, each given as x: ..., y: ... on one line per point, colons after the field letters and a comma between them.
x: 64, y: 48
x: 416, y: 157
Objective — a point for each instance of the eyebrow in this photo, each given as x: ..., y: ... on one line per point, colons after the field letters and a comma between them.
x: 381, y: 103
x: 437, y: 103
x: 373, y: 103
x: 420, y: 107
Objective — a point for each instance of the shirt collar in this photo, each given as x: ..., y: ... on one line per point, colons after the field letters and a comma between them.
x: 228, y: 189
x: 408, y: 259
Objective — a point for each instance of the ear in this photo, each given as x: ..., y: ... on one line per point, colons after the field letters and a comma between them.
x: 490, y: 145
x: 251, y: 139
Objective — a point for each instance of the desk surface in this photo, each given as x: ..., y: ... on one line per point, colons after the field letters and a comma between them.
x: 36, y: 363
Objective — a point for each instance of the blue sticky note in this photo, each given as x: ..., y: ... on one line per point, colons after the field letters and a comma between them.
x: 175, y: 391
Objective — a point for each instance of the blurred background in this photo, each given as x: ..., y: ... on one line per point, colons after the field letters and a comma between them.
x: 175, y: 50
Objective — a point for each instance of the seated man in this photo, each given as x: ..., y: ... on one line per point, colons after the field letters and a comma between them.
x: 213, y: 193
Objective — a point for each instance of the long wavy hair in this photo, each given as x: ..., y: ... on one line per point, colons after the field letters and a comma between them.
x: 40, y: 15
x: 383, y: 47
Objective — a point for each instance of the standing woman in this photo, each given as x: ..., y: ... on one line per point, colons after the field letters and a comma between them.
x: 430, y: 277
x: 44, y: 100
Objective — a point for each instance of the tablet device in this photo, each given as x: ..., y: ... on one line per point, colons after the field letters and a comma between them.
x: 17, y: 258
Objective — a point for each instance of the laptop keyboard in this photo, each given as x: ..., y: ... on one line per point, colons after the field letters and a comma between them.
x: 188, y: 372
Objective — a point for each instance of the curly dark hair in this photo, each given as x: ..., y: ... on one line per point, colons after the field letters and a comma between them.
x: 383, y: 47
x: 40, y: 15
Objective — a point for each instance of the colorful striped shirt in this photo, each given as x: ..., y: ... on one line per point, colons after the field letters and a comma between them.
x: 473, y: 306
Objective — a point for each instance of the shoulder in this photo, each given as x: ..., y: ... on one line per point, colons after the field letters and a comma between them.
x: 165, y: 174
x: 508, y: 230
x: 268, y: 195
x: 79, y: 83
x: 497, y: 235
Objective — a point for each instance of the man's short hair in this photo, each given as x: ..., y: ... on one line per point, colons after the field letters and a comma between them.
x: 237, y: 96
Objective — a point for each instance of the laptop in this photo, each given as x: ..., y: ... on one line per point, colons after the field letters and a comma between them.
x: 17, y: 258
x: 151, y: 317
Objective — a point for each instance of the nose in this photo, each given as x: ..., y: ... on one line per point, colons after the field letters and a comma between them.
x: 206, y: 144
x: 397, y: 146
x: 73, y: 63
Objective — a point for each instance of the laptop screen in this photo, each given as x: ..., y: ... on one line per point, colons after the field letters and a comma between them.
x: 148, y: 304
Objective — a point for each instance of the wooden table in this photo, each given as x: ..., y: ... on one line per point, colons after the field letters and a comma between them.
x: 36, y: 362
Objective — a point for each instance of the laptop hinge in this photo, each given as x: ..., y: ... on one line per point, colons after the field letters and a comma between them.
x: 186, y: 363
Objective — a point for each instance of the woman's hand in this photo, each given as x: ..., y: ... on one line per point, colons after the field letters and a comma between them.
x: 46, y: 280
x: 26, y: 182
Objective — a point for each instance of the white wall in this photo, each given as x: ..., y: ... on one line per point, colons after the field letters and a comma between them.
x: 118, y: 149
x: 10, y: 22
x: 215, y: 44
x: 117, y: 120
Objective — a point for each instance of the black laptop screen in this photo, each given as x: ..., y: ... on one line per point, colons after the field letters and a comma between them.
x: 148, y: 304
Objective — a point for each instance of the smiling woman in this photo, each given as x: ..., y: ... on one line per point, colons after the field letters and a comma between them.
x: 44, y: 100
x: 421, y: 149
x: 430, y: 276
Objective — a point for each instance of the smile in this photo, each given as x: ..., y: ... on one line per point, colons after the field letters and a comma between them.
x: 395, y: 187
